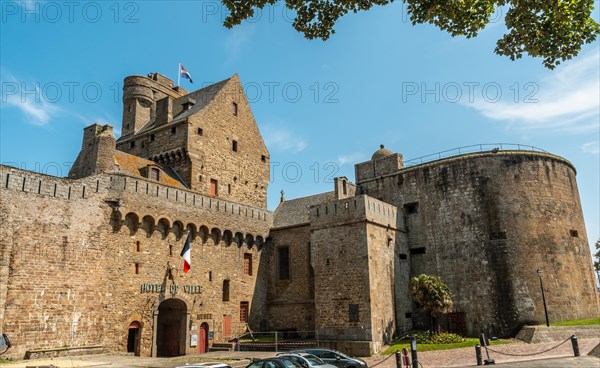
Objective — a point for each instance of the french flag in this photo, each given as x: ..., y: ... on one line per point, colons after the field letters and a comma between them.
x: 186, y: 254
x: 184, y: 73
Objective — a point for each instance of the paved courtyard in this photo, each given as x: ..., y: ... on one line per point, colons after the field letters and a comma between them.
x: 464, y: 357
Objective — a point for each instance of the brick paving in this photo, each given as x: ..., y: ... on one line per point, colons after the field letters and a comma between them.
x: 463, y: 357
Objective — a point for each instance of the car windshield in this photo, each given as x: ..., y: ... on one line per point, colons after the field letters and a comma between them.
x: 313, y: 360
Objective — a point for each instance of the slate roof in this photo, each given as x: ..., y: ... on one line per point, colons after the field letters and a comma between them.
x: 202, y: 97
x: 295, y: 211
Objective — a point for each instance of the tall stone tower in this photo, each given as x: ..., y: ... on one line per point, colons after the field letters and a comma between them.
x: 208, y: 137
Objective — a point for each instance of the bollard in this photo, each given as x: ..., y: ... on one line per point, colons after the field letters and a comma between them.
x: 575, y: 345
x: 478, y: 355
x: 413, y: 352
x: 398, y: 359
x: 405, y: 358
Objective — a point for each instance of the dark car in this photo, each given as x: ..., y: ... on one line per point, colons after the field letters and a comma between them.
x: 274, y: 363
x: 334, y: 357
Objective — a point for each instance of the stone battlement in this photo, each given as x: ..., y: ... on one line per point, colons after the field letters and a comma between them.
x: 113, y: 184
x: 359, y: 208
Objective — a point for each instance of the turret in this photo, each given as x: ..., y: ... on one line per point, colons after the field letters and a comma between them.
x: 97, y: 152
x: 140, y: 96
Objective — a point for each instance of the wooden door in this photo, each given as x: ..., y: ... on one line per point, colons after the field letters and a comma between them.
x: 171, y: 343
x: 214, y: 188
x: 203, y: 339
x: 226, y: 326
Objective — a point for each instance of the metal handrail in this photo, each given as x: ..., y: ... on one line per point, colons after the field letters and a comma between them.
x: 484, y: 147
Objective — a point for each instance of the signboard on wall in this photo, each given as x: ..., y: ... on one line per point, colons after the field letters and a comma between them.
x: 194, y: 340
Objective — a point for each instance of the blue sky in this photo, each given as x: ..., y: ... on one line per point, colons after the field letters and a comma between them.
x: 321, y: 106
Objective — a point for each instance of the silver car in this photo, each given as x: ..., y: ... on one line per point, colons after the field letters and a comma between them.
x: 205, y: 365
x: 306, y: 360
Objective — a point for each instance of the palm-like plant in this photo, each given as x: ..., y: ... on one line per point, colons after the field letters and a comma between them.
x: 432, y: 295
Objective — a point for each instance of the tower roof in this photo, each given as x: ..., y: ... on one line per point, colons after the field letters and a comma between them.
x: 381, y: 152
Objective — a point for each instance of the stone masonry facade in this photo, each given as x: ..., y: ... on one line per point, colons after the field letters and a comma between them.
x: 93, y: 261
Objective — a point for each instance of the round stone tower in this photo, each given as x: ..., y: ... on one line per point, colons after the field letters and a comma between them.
x: 138, y: 103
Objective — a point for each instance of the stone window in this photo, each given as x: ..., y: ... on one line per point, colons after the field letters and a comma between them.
x: 283, y: 263
x: 173, y: 130
x: 129, y: 108
x: 142, y: 144
x: 234, y: 108
x: 403, y: 256
x: 263, y: 158
x: 152, y: 137
x: 248, y: 264
x: 127, y: 126
x: 138, y: 246
x: 408, y: 315
x: 225, y: 290
x: 234, y: 146
x: 154, y: 174
x: 420, y: 250
x: 244, y: 308
x: 131, y: 144
x: 353, y: 313
x: 210, y: 276
x: 574, y: 233
x: 411, y: 208
x: 200, y: 132
x: 344, y: 187
x: 228, y: 188
x: 136, y: 268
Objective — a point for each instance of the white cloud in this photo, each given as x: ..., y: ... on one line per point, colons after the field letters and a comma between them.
x: 568, y: 100
x: 37, y: 110
x: 282, y: 139
x: 238, y: 36
x: 591, y: 147
x: 351, y: 158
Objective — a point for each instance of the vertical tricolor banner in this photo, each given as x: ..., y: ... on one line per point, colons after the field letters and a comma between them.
x: 186, y: 254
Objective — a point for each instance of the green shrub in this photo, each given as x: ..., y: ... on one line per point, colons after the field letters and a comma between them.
x: 439, y: 338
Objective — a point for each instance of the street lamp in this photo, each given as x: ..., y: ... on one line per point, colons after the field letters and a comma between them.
x: 539, y: 272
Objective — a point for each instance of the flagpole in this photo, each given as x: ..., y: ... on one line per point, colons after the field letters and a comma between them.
x: 179, y: 75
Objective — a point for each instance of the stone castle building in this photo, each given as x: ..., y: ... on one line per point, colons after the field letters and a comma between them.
x: 91, y: 262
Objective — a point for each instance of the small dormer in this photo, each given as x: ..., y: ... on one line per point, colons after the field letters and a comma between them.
x: 187, y: 103
x: 152, y: 172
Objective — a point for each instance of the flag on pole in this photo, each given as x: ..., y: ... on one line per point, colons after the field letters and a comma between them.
x: 186, y: 254
x: 184, y: 73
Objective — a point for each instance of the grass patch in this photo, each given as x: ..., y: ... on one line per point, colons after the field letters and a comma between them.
x: 469, y: 341
x: 578, y: 322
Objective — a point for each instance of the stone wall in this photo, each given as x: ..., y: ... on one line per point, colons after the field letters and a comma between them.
x: 485, y: 223
x: 82, y: 259
x: 290, y: 302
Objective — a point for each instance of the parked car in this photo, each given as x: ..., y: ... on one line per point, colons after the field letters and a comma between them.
x: 276, y: 362
x: 306, y: 360
x: 334, y: 357
x: 205, y: 365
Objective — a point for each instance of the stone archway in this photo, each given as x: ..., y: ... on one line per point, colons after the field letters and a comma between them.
x: 171, y: 328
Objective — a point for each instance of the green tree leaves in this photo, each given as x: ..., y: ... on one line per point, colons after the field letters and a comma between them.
x: 553, y: 30
x: 433, y: 296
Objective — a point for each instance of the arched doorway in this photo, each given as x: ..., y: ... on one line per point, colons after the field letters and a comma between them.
x: 171, y: 328
x: 203, y: 339
x: 133, y: 338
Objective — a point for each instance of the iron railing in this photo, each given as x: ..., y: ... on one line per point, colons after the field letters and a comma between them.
x: 471, y: 149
